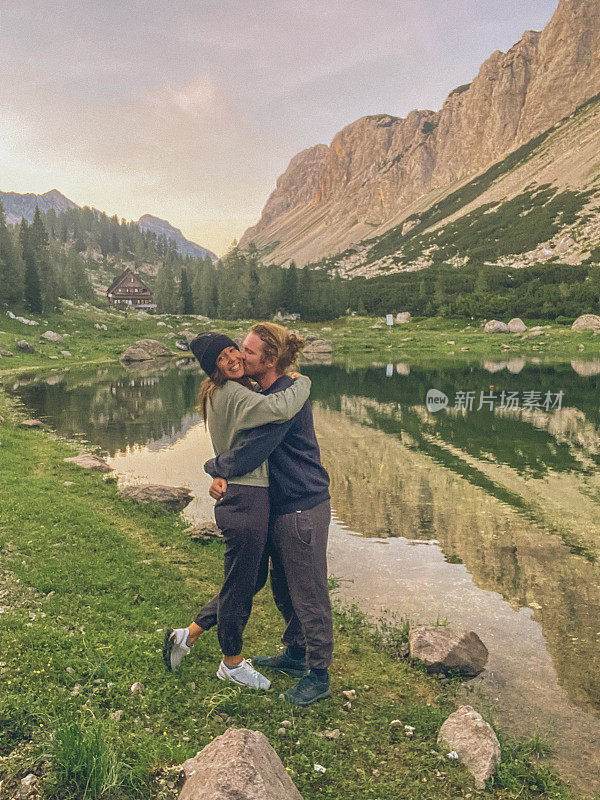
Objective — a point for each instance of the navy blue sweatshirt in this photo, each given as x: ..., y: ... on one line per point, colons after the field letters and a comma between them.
x: 297, y: 479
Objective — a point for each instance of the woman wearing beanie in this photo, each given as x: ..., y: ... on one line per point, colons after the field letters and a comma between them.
x: 229, y: 406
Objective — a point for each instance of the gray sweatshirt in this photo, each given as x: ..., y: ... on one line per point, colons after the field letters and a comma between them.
x: 233, y: 409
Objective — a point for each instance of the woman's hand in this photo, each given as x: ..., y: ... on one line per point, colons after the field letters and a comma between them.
x: 218, y: 488
x: 295, y: 375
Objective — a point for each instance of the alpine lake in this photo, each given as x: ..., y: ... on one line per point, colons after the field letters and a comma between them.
x: 477, y: 503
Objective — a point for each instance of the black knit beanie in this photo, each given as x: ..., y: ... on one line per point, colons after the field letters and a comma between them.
x: 207, y: 347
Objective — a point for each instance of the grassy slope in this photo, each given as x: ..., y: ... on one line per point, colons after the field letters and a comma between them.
x: 90, y: 581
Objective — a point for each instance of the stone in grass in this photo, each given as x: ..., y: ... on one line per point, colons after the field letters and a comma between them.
x: 25, y: 347
x: 238, y: 765
x: 586, y: 322
x: 448, y: 650
x: 145, y: 349
x: 90, y: 461
x: 466, y: 733
x: 204, y: 532
x: 51, y: 336
x: 173, y: 498
x: 32, y: 423
x: 495, y: 326
x: 5, y: 353
x: 516, y: 325
x: 29, y: 786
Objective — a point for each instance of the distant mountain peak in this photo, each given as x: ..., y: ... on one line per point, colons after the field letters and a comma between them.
x: 161, y: 227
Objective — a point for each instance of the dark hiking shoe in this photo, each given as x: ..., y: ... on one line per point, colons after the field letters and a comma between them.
x: 308, y: 690
x: 283, y: 663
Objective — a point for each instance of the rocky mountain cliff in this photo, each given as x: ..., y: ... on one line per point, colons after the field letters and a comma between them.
x: 163, y: 228
x: 381, y: 169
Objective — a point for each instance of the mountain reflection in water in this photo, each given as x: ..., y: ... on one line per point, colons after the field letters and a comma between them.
x: 513, y: 495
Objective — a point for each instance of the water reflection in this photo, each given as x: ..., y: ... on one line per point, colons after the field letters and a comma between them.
x: 511, y: 494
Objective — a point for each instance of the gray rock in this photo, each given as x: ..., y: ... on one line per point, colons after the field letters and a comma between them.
x: 90, y: 461
x: 204, y: 532
x: 533, y: 335
x: 24, y: 320
x: 318, y: 346
x: 25, y: 347
x: 145, y: 349
x: 238, y: 765
x: 51, y: 336
x: 586, y: 322
x: 279, y: 317
x: 173, y: 498
x: 467, y: 734
x: 5, y: 353
x: 102, y: 327
x: 65, y: 353
x: 187, y: 335
x: 495, y: 326
x: 170, y: 335
x: 32, y: 423
x: 403, y: 317
x: 516, y: 325
x: 450, y: 650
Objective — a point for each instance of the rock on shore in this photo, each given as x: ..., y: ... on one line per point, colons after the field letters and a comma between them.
x: 448, y: 650
x: 473, y: 740
x: 173, y: 498
x: 238, y: 765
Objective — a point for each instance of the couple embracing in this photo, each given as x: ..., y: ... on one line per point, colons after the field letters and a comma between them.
x: 273, y: 508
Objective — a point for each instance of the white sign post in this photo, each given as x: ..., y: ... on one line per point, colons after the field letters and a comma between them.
x: 389, y: 318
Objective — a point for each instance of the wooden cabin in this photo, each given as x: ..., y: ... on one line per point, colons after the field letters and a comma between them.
x: 130, y: 291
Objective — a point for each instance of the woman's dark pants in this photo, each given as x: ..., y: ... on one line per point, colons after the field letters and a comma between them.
x: 243, y: 518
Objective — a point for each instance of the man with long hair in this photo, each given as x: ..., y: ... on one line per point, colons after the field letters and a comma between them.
x: 300, y: 516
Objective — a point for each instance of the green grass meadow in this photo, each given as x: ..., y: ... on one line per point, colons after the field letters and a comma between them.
x: 89, y: 582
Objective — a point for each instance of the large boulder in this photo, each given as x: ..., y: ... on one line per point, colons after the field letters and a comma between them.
x: 495, y: 326
x: 467, y: 734
x: 448, y: 650
x: 25, y: 347
x: 146, y: 349
x: 587, y: 322
x: 402, y: 317
x: 5, y: 353
x: 90, y: 461
x: 516, y: 325
x: 51, y: 336
x: 238, y: 765
x: 173, y: 498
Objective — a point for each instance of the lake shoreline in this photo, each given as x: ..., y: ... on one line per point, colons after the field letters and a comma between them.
x: 355, y: 340
x: 73, y: 647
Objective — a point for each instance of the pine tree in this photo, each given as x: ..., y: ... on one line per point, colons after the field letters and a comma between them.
x: 186, y: 298
x: 289, y: 289
x: 32, y: 294
x: 166, y: 290
x: 38, y: 241
x: 11, y: 267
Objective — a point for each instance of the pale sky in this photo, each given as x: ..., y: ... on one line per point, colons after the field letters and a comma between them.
x: 190, y: 109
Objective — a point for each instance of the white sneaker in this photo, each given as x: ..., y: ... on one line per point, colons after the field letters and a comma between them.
x: 243, y: 675
x: 175, y: 647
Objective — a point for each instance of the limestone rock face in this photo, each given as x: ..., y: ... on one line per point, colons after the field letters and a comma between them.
x: 474, y: 741
x: 448, y: 650
x: 173, y: 498
x: 587, y: 322
x: 516, y: 325
x: 495, y: 326
x: 331, y: 197
x: 238, y: 765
